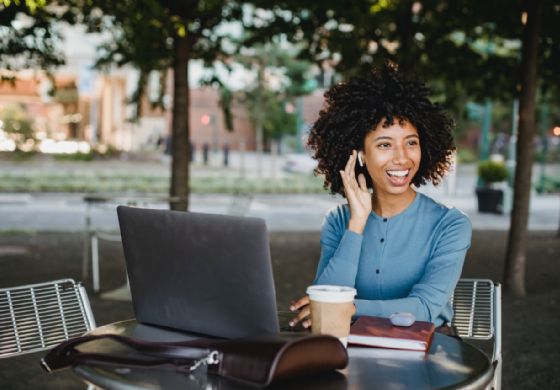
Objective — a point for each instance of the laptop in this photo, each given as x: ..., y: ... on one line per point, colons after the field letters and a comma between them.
x: 203, y: 273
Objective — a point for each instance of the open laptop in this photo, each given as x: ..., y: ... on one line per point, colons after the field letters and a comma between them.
x: 204, y: 273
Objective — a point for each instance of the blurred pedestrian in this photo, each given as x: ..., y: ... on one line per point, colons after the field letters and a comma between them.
x: 205, y: 152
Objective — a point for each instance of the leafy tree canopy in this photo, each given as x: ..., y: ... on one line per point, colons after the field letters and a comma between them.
x: 142, y: 33
x: 28, y: 36
x: 464, y: 46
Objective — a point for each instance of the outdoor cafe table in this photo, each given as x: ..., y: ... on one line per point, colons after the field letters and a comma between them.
x: 450, y: 363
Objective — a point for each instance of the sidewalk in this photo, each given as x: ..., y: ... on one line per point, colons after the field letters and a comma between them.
x: 67, y: 212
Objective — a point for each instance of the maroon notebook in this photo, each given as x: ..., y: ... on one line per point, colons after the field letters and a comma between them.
x: 379, y: 332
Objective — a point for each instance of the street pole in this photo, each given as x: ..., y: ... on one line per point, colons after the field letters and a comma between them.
x: 486, y: 123
x: 274, y: 155
x: 484, y: 141
x: 215, y: 138
x: 259, y: 118
x: 511, y: 161
x: 544, y: 130
x: 299, y: 124
x: 242, y: 147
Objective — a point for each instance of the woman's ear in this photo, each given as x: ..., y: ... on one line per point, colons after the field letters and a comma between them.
x: 360, y: 158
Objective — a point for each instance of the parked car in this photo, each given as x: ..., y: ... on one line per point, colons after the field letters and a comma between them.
x: 299, y: 163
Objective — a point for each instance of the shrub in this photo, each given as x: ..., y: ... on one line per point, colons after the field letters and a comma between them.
x: 466, y: 155
x: 492, y: 172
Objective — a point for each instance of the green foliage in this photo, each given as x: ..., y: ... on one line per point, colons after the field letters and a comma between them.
x: 17, y: 123
x: 29, y: 181
x: 143, y: 34
x: 466, y: 155
x: 277, y: 122
x: 269, y: 107
x: 18, y: 155
x: 75, y: 156
x: 464, y: 48
x: 492, y: 172
x: 266, y: 103
x: 548, y: 185
x: 29, y: 36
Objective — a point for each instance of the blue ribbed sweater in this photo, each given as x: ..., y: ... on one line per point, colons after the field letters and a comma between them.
x: 409, y: 262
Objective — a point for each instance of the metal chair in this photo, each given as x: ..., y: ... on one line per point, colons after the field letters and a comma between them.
x: 477, y: 306
x: 93, y: 234
x: 39, y: 316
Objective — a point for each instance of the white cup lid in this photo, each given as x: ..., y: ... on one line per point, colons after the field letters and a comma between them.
x: 329, y: 293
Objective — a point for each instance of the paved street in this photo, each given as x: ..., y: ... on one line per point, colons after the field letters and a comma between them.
x: 67, y: 212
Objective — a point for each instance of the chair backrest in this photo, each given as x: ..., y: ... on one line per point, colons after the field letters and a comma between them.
x: 39, y: 316
x: 474, y: 312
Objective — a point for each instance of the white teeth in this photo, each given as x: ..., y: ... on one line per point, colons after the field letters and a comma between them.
x: 398, y: 173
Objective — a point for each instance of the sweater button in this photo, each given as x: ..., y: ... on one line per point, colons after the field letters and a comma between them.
x: 384, y: 219
x: 382, y: 239
x: 377, y: 271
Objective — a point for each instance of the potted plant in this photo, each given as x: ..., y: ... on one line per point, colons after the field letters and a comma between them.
x: 490, y: 198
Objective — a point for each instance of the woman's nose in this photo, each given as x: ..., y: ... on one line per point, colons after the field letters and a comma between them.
x: 399, y: 155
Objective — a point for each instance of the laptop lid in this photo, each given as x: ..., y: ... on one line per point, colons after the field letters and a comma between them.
x: 203, y: 273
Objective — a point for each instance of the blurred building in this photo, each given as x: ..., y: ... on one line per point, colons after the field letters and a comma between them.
x: 89, y: 105
x: 97, y: 111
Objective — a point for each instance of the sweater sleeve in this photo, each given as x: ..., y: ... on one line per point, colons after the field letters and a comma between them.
x: 340, y: 252
x: 431, y: 293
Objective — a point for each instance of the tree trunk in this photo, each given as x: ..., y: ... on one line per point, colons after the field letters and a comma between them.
x: 180, y: 126
x: 514, y: 280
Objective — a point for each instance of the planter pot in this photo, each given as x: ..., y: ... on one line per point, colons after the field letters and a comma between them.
x: 490, y: 200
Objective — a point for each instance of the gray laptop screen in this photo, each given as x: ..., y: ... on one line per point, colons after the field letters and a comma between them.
x: 203, y: 273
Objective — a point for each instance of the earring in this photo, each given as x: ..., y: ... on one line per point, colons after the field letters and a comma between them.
x: 360, y: 160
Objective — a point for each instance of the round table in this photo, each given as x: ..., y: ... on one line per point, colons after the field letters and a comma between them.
x: 450, y: 363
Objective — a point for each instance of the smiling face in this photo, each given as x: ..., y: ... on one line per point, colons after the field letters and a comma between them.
x: 392, y: 158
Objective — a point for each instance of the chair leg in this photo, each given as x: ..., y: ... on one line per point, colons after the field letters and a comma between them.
x: 85, y: 256
x: 95, y: 262
x: 497, y: 353
x: 86, y: 248
x: 497, y: 381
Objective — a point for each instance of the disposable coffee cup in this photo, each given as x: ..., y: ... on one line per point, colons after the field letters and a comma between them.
x: 331, y: 310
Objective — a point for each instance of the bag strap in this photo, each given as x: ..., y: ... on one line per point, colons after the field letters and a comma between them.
x: 184, y: 357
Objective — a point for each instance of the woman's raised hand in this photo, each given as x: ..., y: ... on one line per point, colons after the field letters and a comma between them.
x: 357, y: 194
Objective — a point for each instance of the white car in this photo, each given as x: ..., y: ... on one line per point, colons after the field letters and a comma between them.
x: 300, y: 163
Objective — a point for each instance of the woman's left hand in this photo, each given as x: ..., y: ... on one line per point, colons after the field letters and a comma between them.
x: 304, y: 314
x: 302, y: 305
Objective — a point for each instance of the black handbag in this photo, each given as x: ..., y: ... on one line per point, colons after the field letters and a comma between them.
x: 258, y: 361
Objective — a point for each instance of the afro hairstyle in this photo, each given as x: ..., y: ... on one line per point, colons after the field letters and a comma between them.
x: 354, y: 108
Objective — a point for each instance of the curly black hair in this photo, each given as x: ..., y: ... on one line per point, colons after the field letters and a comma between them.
x: 356, y: 107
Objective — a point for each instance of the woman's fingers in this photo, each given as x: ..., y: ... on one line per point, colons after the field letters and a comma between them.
x: 346, y: 183
x: 353, y: 157
x: 302, y: 315
x: 296, y: 305
x: 349, y: 190
x: 349, y: 166
x: 350, y: 171
x: 302, y: 305
x: 362, y: 181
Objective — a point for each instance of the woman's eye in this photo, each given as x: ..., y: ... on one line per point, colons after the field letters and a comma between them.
x: 384, y: 145
x: 413, y: 143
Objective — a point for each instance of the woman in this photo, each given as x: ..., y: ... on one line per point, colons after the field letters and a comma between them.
x: 403, y: 252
